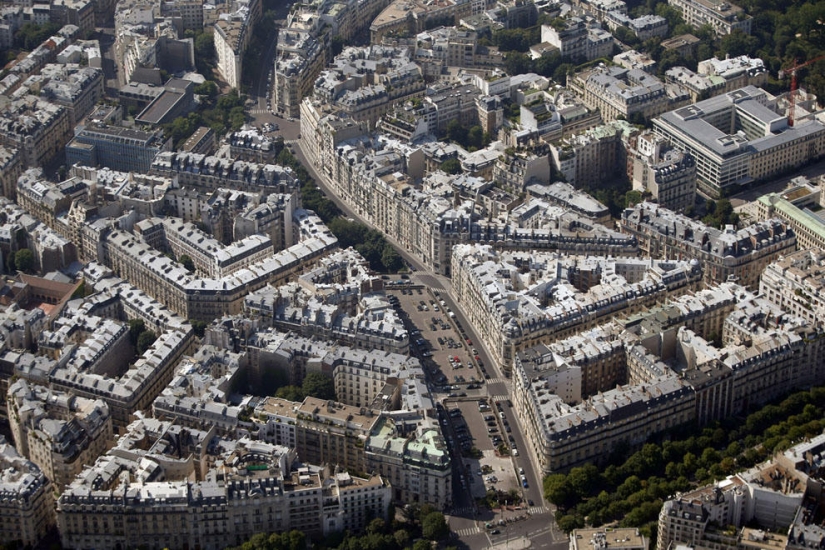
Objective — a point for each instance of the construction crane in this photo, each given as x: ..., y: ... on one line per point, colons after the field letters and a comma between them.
x: 792, y: 95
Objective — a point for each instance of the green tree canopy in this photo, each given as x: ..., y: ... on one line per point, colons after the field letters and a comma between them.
x: 434, y: 526
x: 451, y: 166
x: 318, y: 385
x: 136, y: 327
x: 290, y: 393
x: 145, y: 341
x: 187, y: 262
x: 24, y: 260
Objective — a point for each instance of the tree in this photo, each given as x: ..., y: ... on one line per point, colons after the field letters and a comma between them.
x: 391, y: 259
x: 633, y: 198
x: 475, y: 137
x: 24, y: 260
x: 205, y: 49
x: 517, y: 63
x: 337, y: 44
x: 290, y: 393
x: 451, y: 166
x: 199, y: 327
x: 422, y: 545
x: 434, y: 526
x: 402, y: 538
x: 318, y: 385
x: 561, y: 72
x: 187, y: 263
x: 145, y: 341
x: 207, y: 88
x: 377, y: 525
x: 136, y: 328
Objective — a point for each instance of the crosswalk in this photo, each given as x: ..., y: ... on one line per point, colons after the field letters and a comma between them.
x: 259, y: 111
x: 535, y: 510
x: 437, y: 288
x: 498, y: 397
x: 467, y: 531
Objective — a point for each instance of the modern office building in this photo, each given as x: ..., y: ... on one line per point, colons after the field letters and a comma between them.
x: 739, y: 138
x: 115, y: 147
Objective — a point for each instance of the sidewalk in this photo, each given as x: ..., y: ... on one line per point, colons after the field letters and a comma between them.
x: 516, y: 544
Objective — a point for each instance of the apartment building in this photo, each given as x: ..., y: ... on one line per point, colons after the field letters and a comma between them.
x: 364, y: 83
x: 630, y: 94
x: 205, y: 298
x: 565, y: 195
x: 80, y: 13
x: 211, y: 257
x: 763, y: 506
x: 251, y: 145
x: 632, y: 59
x: 594, y: 155
x: 11, y: 167
x: 737, y: 72
x: 511, y: 318
x: 37, y: 128
x: 262, y: 489
x: 723, y: 16
x: 669, y: 175
x: 337, y: 300
x: 578, y: 40
x: 27, y: 502
x: 580, y: 397
x: 794, y: 283
x: 402, y: 17
x: 208, y: 173
x: 232, y: 33
x: 45, y: 200
x: 369, y: 175
x: 190, y: 12
x: 76, y: 88
x: 729, y: 254
x: 304, y: 47
x: 644, y: 27
x: 624, y: 538
x: 798, y: 206
x: 714, y: 77
x: 740, y: 137
x: 61, y: 433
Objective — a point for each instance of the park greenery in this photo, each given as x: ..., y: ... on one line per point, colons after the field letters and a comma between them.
x: 631, y: 488
x: 370, y: 243
x: 420, y: 527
